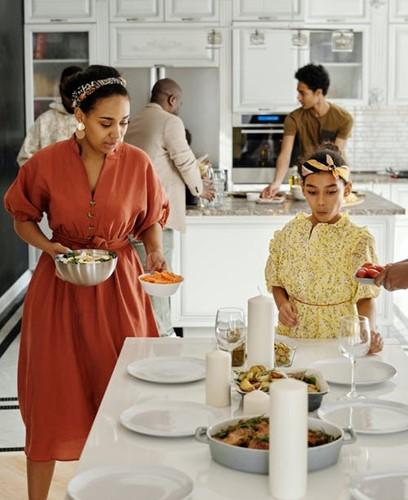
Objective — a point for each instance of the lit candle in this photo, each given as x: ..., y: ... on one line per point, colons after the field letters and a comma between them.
x: 256, y: 403
x: 288, y: 439
x: 260, y: 335
x: 218, y: 379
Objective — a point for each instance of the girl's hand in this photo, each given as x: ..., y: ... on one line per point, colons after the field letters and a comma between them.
x: 288, y: 314
x: 155, y: 261
x: 54, y: 248
x: 377, y: 343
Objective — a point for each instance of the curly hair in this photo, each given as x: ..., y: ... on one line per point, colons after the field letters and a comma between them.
x: 315, y: 76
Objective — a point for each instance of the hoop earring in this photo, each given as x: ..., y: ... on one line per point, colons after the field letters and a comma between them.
x: 80, y: 131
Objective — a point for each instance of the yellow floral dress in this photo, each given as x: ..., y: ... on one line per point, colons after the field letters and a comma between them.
x: 316, y: 266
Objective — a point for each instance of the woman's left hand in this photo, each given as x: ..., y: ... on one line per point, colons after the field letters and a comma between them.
x: 377, y: 343
x: 155, y: 261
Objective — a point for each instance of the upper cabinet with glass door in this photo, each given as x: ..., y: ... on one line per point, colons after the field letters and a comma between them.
x: 344, y: 54
x: 335, y: 11
x: 59, y: 11
x: 267, y: 10
x: 398, y: 11
x: 50, y: 49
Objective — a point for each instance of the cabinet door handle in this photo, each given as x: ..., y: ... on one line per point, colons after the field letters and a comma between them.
x: 186, y: 19
x: 336, y: 20
x: 134, y: 19
x: 57, y: 20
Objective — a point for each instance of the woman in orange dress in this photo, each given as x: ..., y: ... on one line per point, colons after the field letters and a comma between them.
x: 96, y: 192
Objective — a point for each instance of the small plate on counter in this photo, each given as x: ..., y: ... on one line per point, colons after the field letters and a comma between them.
x: 168, y: 369
x: 164, y: 418
x: 368, y: 371
x: 272, y: 201
x: 128, y: 482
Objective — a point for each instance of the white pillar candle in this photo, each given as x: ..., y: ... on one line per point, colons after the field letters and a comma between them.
x: 288, y: 439
x: 256, y: 403
x: 260, y: 335
x: 218, y: 379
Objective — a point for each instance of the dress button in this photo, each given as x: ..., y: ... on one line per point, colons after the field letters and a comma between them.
x: 90, y: 215
x: 89, y: 237
x: 92, y: 203
x: 91, y: 228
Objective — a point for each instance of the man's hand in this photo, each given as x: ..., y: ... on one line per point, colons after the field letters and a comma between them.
x: 394, y: 276
x: 208, y: 192
x: 288, y: 315
x: 270, y: 191
x: 377, y: 343
x: 155, y: 261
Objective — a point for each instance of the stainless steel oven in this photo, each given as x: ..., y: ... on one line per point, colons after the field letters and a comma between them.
x: 256, y: 143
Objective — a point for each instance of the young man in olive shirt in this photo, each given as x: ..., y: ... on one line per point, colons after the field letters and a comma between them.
x: 316, y: 121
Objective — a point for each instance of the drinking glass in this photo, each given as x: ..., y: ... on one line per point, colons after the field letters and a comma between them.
x: 354, y: 342
x: 230, y: 328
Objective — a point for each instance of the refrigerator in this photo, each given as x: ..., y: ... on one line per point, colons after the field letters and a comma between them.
x: 13, y: 251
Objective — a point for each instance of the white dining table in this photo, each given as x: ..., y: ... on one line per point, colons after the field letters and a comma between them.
x: 109, y: 443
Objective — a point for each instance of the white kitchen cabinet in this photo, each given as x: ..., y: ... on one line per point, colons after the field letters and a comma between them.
x: 140, y: 11
x: 399, y: 194
x: 267, y: 10
x: 48, y: 50
x: 398, y: 67
x: 398, y: 11
x: 223, y: 261
x: 188, y: 11
x: 333, y: 11
x: 133, y: 47
x: 61, y: 11
x: 348, y: 70
x: 264, y: 66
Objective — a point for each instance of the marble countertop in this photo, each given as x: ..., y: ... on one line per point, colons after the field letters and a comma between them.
x: 372, y: 205
x: 377, y: 178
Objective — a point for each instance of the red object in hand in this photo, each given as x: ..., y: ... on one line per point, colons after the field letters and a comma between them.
x: 378, y: 268
x: 362, y: 273
x: 367, y: 265
x: 372, y: 273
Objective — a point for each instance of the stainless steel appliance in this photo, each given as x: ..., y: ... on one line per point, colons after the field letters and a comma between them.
x: 256, y: 143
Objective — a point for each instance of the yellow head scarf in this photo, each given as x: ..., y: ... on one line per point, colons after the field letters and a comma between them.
x: 313, y: 166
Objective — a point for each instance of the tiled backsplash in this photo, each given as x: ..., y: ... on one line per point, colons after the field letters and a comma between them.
x: 379, y: 138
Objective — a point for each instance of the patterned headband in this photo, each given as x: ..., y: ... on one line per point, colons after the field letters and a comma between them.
x: 83, y: 91
x: 313, y: 166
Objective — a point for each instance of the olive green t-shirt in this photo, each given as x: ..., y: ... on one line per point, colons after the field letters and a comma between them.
x: 312, y: 130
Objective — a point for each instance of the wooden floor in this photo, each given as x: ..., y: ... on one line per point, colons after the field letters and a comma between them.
x: 13, y: 478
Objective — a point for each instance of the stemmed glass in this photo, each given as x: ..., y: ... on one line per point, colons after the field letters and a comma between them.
x: 230, y: 328
x: 354, y: 342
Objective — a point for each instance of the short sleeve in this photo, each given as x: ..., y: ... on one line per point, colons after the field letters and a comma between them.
x: 272, y: 268
x: 345, y: 130
x: 363, y: 252
x: 27, y: 197
x: 289, y: 126
x: 157, y: 205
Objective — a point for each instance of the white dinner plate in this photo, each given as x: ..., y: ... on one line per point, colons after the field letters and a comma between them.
x: 130, y: 482
x: 390, y: 486
x: 168, y: 418
x: 367, y: 416
x: 369, y: 371
x: 168, y: 369
x: 271, y: 201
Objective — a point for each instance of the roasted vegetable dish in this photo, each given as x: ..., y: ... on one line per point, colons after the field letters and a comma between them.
x: 254, y: 433
x: 283, y: 354
x: 311, y: 380
x: 257, y: 377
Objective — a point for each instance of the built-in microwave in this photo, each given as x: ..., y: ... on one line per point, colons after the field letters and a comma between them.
x: 256, y: 143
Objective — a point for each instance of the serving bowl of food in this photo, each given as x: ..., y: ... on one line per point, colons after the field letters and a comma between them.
x: 258, y: 377
x: 86, y: 267
x: 160, y: 284
x: 285, y: 350
x: 242, y: 443
x: 317, y: 387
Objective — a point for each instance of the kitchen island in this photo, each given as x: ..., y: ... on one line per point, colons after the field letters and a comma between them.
x: 223, y: 252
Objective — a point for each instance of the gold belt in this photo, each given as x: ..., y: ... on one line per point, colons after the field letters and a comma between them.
x: 320, y: 305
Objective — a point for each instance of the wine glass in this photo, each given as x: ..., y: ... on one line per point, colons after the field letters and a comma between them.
x: 230, y: 328
x: 354, y: 342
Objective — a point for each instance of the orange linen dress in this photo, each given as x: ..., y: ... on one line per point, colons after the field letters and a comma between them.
x: 72, y: 335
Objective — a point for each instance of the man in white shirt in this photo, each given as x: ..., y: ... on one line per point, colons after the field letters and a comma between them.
x: 158, y: 131
x: 56, y: 124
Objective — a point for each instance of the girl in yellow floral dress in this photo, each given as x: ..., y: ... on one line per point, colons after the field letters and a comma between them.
x: 313, y: 259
